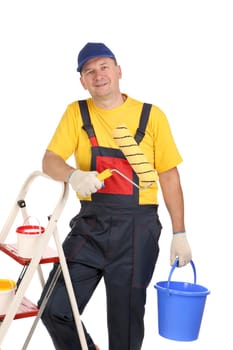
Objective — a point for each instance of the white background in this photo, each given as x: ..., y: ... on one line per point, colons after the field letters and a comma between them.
x: 176, y: 54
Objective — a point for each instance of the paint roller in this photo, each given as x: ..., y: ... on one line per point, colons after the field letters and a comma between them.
x: 136, y: 158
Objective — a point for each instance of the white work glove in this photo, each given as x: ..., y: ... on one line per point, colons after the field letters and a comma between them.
x: 180, y: 249
x: 85, y: 182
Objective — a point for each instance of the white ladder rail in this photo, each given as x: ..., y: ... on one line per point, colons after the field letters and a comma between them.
x: 34, y: 263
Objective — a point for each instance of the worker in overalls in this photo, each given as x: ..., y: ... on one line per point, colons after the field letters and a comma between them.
x: 115, y: 234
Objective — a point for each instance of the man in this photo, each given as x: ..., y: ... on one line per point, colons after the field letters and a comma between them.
x: 115, y: 235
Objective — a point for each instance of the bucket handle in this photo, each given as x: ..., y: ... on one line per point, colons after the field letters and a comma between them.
x: 176, y: 264
x: 13, y: 284
x: 27, y: 221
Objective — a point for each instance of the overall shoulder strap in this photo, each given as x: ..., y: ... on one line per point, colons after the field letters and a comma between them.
x: 87, y: 126
x: 143, y: 122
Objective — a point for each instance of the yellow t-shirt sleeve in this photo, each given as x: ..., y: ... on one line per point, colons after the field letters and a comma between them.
x: 66, y: 136
x: 166, y: 154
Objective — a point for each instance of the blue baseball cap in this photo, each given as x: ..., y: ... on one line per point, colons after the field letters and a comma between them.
x: 92, y: 50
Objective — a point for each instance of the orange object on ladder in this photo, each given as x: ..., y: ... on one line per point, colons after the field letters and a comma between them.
x: 21, y: 307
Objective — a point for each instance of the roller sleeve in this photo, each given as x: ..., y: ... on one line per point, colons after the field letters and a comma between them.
x: 133, y: 153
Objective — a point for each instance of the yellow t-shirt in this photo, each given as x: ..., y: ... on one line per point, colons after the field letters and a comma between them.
x: 157, y: 145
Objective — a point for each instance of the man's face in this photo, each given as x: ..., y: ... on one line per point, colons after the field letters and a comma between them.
x: 100, y: 76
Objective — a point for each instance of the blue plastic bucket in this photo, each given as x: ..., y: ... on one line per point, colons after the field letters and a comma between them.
x: 180, y: 307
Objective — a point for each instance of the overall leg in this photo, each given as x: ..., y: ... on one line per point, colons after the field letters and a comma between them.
x: 85, y: 260
x: 58, y: 316
x: 132, y: 256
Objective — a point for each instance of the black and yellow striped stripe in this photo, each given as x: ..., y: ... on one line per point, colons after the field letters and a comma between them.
x: 134, y: 155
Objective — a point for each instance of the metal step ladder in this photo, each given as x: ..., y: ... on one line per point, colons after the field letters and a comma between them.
x: 21, y: 306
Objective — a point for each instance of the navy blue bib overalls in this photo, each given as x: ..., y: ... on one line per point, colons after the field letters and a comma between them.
x: 112, y: 238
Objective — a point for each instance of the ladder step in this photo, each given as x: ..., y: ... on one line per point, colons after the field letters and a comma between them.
x: 50, y: 255
x: 26, y: 309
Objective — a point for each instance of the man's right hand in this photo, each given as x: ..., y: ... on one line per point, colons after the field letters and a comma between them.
x: 85, y: 182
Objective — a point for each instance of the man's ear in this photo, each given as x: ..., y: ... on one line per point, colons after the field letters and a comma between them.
x: 120, y: 72
x: 83, y: 82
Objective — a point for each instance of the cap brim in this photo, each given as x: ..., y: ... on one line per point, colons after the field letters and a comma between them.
x: 89, y: 58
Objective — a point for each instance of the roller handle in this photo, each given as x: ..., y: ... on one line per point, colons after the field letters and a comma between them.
x: 104, y: 174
